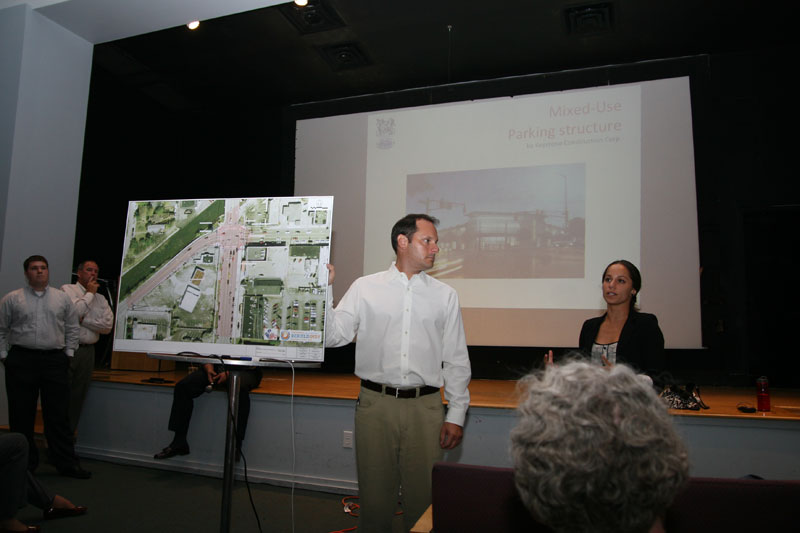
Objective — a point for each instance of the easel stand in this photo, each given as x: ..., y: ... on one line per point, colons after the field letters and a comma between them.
x: 234, y: 384
x: 234, y: 367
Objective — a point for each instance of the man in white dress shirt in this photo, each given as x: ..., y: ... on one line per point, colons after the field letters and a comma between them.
x: 410, y: 344
x: 38, y: 336
x: 96, y: 318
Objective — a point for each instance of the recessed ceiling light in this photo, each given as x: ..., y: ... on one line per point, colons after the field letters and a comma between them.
x: 193, y: 25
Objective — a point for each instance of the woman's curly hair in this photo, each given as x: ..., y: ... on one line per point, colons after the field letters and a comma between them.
x: 595, y: 449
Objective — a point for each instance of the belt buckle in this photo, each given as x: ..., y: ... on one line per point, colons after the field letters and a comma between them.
x: 397, y: 392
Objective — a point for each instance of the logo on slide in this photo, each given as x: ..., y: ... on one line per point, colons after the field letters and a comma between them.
x: 385, y: 132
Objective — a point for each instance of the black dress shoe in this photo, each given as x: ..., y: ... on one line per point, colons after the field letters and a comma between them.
x: 64, y: 512
x: 75, y: 471
x: 172, y: 451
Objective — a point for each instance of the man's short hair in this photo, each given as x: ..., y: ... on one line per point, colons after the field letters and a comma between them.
x: 408, y: 226
x: 33, y: 258
x: 82, y: 263
x: 595, y: 449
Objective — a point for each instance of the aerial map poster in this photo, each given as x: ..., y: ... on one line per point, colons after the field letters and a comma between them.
x: 242, y: 277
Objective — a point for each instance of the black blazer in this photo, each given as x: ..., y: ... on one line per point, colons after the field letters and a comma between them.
x: 640, y: 345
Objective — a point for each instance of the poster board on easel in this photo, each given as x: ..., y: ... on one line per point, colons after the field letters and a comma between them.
x: 240, y: 277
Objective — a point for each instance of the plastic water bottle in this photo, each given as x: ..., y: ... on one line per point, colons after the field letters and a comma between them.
x: 762, y: 393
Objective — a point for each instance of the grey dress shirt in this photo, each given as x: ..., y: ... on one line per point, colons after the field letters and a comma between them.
x: 40, y: 321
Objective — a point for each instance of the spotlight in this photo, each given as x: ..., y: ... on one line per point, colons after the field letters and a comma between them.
x: 193, y: 25
x: 301, y: 3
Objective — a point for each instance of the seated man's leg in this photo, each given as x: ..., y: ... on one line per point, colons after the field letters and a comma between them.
x: 13, y: 468
x: 183, y: 395
x: 38, y: 495
x: 53, y: 505
x: 250, y: 379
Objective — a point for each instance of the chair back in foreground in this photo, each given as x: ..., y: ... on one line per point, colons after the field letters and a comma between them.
x: 469, y: 498
x: 716, y: 504
x: 478, y: 498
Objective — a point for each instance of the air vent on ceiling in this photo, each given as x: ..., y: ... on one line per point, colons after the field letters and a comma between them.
x: 590, y: 19
x: 315, y: 17
x: 344, y: 56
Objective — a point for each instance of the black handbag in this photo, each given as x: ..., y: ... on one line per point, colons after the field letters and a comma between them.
x: 686, y: 396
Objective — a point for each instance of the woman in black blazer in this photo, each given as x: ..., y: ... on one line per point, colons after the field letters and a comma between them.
x: 622, y: 334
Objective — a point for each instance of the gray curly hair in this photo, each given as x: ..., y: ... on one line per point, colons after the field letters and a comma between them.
x: 595, y: 449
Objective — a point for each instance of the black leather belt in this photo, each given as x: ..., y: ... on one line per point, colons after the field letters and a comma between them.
x: 42, y: 350
x: 416, y: 392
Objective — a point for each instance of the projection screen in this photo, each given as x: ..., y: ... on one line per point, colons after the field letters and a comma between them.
x: 535, y: 194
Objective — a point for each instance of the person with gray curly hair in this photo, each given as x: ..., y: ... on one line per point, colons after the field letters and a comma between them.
x: 595, y: 450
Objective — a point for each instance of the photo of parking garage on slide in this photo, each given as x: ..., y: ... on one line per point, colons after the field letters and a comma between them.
x: 509, y: 223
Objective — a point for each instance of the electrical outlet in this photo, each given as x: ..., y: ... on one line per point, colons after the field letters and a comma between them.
x: 347, y: 439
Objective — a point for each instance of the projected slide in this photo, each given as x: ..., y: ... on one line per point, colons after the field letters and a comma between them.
x: 237, y: 276
x: 529, y: 190
x: 524, y: 222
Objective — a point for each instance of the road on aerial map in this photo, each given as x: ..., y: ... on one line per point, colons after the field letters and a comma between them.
x: 230, y: 236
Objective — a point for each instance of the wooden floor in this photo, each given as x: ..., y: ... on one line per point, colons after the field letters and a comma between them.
x: 497, y: 394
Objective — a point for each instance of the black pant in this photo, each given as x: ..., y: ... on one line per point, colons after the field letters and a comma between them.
x: 29, y: 373
x: 13, y: 466
x: 16, y: 479
x: 192, y: 386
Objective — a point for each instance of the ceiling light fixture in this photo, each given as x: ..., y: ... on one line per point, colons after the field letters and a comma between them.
x: 315, y: 17
x: 301, y: 3
x: 193, y: 25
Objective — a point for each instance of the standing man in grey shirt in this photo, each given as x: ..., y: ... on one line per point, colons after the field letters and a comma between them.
x: 96, y: 318
x: 38, y: 335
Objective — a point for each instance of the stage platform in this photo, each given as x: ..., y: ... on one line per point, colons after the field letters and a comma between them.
x: 495, y: 394
x: 296, y: 430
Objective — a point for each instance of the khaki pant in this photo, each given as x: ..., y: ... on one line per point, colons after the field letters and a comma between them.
x: 81, y: 366
x: 397, y: 442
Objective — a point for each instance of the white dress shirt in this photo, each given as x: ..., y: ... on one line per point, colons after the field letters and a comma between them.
x: 43, y: 320
x: 94, y: 313
x: 409, y: 334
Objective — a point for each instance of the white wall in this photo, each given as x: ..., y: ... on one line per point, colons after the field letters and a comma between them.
x: 128, y: 423
x: 45, y: 73
x: 12, y: 26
